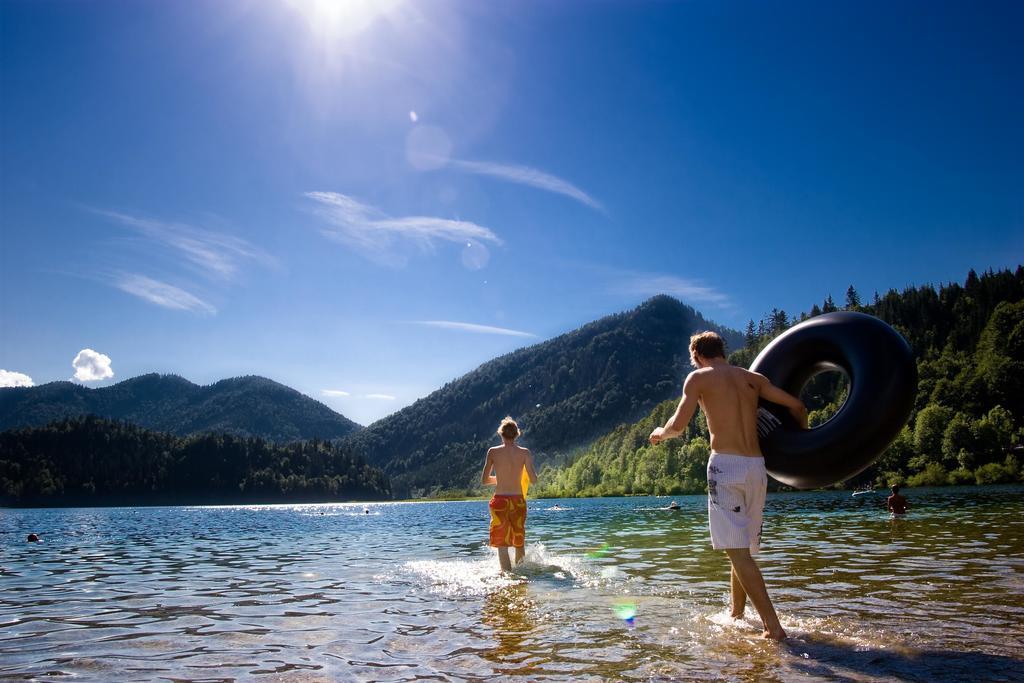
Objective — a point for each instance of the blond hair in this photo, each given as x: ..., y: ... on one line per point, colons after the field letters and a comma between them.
x: 508, y: 429
x: 707, y: 345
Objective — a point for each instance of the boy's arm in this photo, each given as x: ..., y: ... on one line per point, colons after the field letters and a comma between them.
x: 676, y: 424
x: 770, y: 392
x: 532, y: 473
x: 486, y: 478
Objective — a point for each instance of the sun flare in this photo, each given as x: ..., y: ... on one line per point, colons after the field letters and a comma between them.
x: 339, y: 19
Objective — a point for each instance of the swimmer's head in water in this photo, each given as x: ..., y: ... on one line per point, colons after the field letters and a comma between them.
x: 706, y: 345
x: 32, y: 538
x: 508, y: 429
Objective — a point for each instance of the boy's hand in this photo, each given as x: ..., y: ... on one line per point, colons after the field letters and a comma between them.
x: 657, y: 436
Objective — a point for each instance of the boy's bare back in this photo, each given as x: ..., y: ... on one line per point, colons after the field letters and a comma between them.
x: 728, y: 396
x: 508, y: 461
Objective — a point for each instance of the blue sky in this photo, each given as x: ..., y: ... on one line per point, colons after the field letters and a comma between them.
x: 364, y: 200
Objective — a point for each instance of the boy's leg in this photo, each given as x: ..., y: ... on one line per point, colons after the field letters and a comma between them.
x: 739, y: 596
x: 753, y: 584
x: 520, y: 553
x: 506, y: 565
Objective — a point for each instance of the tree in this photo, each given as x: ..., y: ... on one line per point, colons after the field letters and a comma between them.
x: 1000, y: 356
x: 829, y: 306
x: 958, y: 444
x: 750, y: 337
x: 929, y: 430
x: 852, y: 299
x: 971, y: 284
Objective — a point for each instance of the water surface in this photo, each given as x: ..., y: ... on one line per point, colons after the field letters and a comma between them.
x: 410, y: 591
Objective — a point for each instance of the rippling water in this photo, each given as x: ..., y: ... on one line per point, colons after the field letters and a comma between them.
x: 410, y: 591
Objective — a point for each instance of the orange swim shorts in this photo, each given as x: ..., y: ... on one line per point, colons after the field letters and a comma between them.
x: 508, y: 521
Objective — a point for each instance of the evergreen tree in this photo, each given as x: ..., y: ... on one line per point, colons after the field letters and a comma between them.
x: 972, y: 282
x: 852, y: 299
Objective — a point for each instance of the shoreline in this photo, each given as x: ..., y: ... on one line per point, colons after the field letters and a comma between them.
x: 463, y: 499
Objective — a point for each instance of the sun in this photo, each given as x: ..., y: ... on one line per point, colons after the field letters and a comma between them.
x: 341, y: 19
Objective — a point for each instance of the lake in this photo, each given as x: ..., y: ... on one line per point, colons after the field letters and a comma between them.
x: 612, y: 589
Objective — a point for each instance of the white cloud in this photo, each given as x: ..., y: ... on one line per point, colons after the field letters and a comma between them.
x: 472, y: 327
x: 161, y: 293
x: 688, y: 291
x: 378, y: 236
x: 525, y: 175
x: 334, y: 393
x: 212, y: 253
x: 9, y: 378
x: 413, y: 116
x: 381, y: 397
x: 91, y: 366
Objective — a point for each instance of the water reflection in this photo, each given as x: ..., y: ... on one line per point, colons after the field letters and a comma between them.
x: 507, y: 611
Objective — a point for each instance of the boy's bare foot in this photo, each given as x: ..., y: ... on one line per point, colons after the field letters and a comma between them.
x: 733, y: 615
x: 777, y: 636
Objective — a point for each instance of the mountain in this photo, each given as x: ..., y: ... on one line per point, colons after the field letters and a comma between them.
x: 968, y: 425
x: 242, y: 406
x: 565, y: 393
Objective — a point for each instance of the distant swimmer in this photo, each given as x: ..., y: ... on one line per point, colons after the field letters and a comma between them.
x: 737, y: 480
x: 366, y: 511
x: 896, y: 503
x: 32, y: 538
x: 508, y: 505
x: 673, y: 506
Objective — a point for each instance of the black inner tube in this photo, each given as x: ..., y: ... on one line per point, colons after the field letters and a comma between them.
x: 883, y: 381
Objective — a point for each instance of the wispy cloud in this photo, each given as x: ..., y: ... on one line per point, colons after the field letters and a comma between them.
x: 472, y: 327
x: 161, y: 293
x: 688, y: 291
x: 381, y: 397
x: 525, y: 175
x: 334, y: 393
x: 376, y: 234
x: 215, y: 254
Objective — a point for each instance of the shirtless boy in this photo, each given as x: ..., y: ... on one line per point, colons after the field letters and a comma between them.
x: 896, y: 503
x: 737, y: 480
x: 508, y: 506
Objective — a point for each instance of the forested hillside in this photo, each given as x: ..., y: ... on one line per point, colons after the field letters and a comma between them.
x: 92, y: 461
x: 968, y: 423
x: 565, y: 392
x: 243, y: 406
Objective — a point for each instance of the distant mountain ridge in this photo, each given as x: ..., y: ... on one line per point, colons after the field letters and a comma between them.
x: 241, y: 406
x: 566, y: 392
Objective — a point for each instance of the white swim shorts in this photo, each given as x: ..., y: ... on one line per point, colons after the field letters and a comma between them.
x: 736, y: 492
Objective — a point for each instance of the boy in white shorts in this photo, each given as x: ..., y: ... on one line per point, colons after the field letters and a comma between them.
x: 737, y: 480
x: 736, y: 490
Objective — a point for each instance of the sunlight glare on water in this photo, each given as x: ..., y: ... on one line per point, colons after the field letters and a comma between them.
x: 611, y: 589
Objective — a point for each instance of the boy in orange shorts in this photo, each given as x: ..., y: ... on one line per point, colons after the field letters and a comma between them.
x: 508, y: 506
